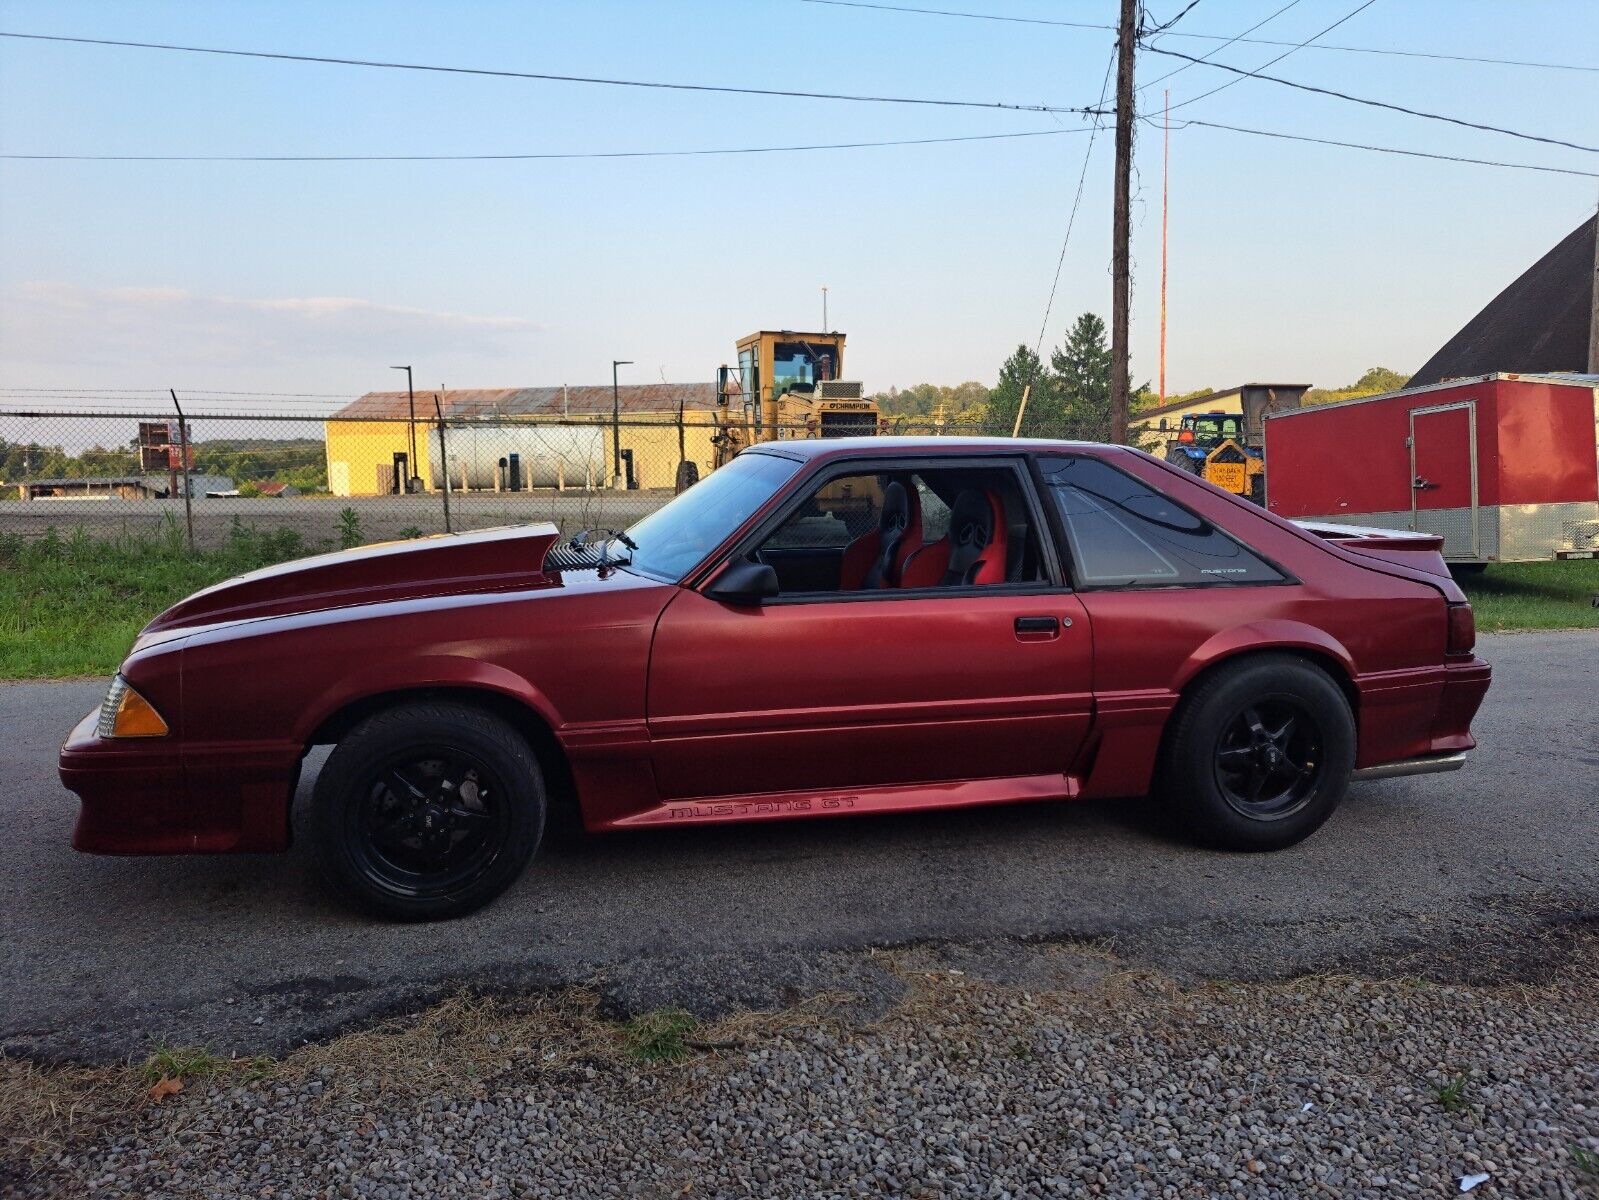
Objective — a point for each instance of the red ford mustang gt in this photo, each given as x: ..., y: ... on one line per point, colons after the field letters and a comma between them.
x: 818, y: 628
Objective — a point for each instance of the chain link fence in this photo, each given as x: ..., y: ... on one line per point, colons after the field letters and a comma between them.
x: 340, y: 482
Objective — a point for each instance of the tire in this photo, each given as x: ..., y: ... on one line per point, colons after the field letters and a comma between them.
x: 1458, y: 569
x: 1259, y: 755
x: 688, y: 474
x: 428, y: 811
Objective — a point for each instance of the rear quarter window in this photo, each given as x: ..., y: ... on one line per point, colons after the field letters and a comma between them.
x: 1123, y: 533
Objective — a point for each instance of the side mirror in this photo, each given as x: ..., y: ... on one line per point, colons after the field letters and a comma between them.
x: 744, y: 582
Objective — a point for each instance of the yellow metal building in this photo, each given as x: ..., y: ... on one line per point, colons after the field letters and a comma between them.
x: 497, y: 438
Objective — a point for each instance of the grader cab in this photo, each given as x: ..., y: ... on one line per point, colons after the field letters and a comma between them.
x: 788, y: 385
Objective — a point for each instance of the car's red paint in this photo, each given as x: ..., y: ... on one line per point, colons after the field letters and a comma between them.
x: 669, y: 706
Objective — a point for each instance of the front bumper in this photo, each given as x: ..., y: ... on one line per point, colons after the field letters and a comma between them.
x: 134, y: 801
x: 158, y: 796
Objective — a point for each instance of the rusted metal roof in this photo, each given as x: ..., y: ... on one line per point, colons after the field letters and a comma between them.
x: 555, y: 402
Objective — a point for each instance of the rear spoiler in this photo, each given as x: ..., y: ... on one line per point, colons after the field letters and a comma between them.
x: 1407, y: 547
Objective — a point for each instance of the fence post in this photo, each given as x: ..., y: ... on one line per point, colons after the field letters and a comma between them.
x: 444, y: 462
x: 183, y: 460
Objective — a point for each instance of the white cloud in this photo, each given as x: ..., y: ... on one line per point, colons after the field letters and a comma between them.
x: 171, y: 332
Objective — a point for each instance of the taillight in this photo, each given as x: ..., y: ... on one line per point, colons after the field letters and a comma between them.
x: 1462, y: 629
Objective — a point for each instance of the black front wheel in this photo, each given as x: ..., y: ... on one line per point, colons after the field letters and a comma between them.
x: 429, y: 810
x: 1259, y: 754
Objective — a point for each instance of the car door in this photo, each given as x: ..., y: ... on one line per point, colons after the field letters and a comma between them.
x: 829, y: 689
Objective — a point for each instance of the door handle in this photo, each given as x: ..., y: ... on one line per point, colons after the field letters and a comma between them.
x: 1421, y: 484
x: 1038, y: 624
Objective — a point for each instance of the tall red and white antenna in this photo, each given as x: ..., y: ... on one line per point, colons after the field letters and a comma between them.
x: 1165, y: 203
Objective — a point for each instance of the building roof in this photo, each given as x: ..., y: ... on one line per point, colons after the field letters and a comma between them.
x: 1539, y: 323
x: 1144, y: 414
x: 586, y: 400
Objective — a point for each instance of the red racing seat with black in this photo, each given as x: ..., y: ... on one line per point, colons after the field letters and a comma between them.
x: 876, y: 558
x: 972, y: 552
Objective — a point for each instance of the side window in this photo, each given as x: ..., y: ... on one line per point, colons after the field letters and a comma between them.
x: 1123, y: 533
x: 838, y: 513
x: 928, y: 527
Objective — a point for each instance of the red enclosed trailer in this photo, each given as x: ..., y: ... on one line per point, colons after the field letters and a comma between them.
x: 1504, y: 467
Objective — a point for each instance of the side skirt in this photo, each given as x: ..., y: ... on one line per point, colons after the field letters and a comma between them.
x: 712, y: 810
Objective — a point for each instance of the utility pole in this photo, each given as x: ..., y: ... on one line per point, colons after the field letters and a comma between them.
x: 1593, y: 311
x: 1122, y: 227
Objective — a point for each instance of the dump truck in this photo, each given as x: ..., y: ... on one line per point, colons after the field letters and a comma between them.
x: 1228, y: 449
x: 788, y: 384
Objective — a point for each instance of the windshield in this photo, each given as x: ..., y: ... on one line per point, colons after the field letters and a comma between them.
x: 673, y: 540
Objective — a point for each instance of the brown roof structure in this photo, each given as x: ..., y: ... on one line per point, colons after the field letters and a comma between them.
x: 1539, y: 323
x: 553, y: 402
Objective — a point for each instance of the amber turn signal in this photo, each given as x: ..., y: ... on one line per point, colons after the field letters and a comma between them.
x: 134, y: 718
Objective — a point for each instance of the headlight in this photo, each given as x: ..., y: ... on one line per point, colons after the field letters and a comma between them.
x: 126, y: 714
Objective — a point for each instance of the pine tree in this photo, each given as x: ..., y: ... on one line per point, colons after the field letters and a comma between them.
x: 1081, y: 376
x: 1043, y: 407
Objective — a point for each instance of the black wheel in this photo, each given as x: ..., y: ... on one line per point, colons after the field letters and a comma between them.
x: 1467, y: 568
x: 1259, y: 754
x: 428, y: 810
x: 688, y: 474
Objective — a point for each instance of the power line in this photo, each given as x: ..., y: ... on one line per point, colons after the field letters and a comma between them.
x: 946, y: 12
x: 1071, y: 221
x: 1192, y: 4
x: 584, y: 154
x: 1271, y: 62
x: 1383, y: 104
x: 1218, y: 37
x: 542, y: 76
x: 1297, y: 137
x: 1220, y: 48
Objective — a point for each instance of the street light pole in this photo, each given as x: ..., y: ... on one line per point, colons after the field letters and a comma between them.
x: 411, y: 464
x: 616, y: 418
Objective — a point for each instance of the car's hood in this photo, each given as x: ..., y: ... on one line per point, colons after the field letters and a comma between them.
x: 486, y: 560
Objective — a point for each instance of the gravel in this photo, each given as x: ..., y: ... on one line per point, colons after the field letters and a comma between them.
x: 1086, y: 1080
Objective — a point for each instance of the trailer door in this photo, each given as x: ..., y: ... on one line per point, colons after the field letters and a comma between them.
x: 1443, y: 475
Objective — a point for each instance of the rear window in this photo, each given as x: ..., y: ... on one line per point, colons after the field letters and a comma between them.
x: 1124, y: 533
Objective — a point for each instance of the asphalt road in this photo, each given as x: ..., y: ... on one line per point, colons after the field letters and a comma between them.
x: 1489, y: 873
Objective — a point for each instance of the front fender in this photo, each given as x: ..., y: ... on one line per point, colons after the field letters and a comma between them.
x: 419, y: 672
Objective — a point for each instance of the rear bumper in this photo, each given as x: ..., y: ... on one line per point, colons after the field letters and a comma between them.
x: 156, y: 796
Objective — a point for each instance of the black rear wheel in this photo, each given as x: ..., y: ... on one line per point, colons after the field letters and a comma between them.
x: 1260, y: 754
x: 428, y: 811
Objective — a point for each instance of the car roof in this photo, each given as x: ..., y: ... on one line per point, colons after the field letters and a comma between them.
x: 807, y: 449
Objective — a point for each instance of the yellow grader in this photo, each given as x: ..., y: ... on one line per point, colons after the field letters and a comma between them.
x: 788, y: 385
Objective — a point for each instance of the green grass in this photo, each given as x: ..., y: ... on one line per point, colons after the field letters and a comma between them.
x: 72, y: 605
x: 659, y: 1036
x: 1542, y: 595
x: 1451, y: 1096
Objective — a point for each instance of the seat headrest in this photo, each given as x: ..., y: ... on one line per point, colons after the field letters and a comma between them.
x: 971, y: 520
x: 896, y: 514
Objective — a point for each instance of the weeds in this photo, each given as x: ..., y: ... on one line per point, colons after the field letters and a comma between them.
x: 182, y: 1062
x: 349, y: 529
x: 659, y: 1036
x: 1586, y: 1162
x: 1451, y: 1096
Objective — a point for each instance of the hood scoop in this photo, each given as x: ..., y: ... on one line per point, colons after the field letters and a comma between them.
x: 485, y: 560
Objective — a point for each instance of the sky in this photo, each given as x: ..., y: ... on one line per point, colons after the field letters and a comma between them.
x: 1291, y: 261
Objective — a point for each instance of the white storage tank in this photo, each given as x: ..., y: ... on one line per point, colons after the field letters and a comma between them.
x: 486, y: 457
